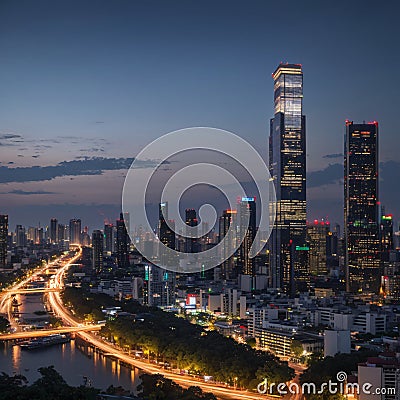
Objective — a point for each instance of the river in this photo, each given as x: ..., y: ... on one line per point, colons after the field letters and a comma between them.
x: 73, y: 360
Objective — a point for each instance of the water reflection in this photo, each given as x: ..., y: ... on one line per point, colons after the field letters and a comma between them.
x: 73, y: 361
x: 16, y: 359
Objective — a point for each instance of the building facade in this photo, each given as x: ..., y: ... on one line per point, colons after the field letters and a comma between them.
x: 122, y: 243
x: 75, y: 229
x: 361, y: 208
x: 248, y: 230
x: 98, y: 249
x: 287, y: 164
x: 3, y: 240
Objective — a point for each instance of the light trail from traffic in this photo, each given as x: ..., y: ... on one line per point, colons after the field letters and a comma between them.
x: 47, y: 332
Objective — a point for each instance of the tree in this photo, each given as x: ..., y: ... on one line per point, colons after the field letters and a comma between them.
x: 4, y: 324
x: 296, y: 348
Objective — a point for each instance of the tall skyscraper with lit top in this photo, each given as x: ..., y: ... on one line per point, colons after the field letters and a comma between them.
x: 361, y: 208
x: 287, y: 163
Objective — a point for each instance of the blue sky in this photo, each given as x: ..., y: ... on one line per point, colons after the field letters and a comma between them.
x: 104, y: 78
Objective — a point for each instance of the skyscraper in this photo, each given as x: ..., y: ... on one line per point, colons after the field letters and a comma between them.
x: 20, y: 236
x: 53, y: 231
x: 109, y: 237
x: 361, y: 207
x: 192, y: 243
x: 122, y: 243
x: 75, y: 228
x: 287, y: 164
x: 247, y: 211
x: 3, y: 240
x: 97, y: 249
x: 386, y: 236
x: 166, y: 234
x: 318, y: 236
x: 227, y: 220
x: 127, y: 220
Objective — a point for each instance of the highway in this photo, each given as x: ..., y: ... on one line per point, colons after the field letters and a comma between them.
x: 6, y: 295
x: 47, y: 332
x: 32, y: 291
x: 222, y: 392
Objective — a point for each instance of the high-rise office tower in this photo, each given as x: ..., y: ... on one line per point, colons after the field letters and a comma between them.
x: 85, y: 238
x: 127, y: 220
x: 166, y: 234
x: 159, y: 286
x: 20, y: 236
x: 40, y: 235
x: 122, y: 243
x: 109, y: 237
x: 227, y: 220
x: 287, y: 163
x: 75, y: 228
x: 97, y: 249
x: 247, y: 211
x: 386, y: 236
x: 3, y: 240
x: 31, y: 234
x: 361, y: 208
x: 318, y: 233
x: 53, y: 231
x: 191, y: 243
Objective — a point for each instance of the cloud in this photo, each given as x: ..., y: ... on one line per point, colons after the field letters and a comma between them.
x: 86, y: 166
x: 10, y: 138
x: 28, y: 193
x: 334, y: 155
x: 333, y: 173
x: 92, y: 150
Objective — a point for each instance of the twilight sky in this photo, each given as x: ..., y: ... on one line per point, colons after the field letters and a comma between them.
x: 85, y: 85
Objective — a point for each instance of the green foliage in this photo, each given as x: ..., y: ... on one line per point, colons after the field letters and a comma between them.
x: 155, y: 387
x: 323, y: 370
x: 50, y: 385
x: 178, y: 343
x: 85, y: 304
x: 4, y: 324
x: 185, y: 346
x: 296, y: 348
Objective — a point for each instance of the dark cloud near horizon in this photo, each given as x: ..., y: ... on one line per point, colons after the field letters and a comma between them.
x: 28, y: 193
x: 86, y: 166
x: 334, y: 155
x: 333, y: 173
x: 92, y: 166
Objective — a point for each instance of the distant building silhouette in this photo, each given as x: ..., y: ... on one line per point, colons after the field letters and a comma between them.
x: 122, y: 243
x: 3, y: 240
x: 75, y: 229
x: 97, y: 248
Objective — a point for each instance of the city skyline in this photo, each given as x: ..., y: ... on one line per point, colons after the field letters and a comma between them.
x: 52, y: 122
x: 175, y: 223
